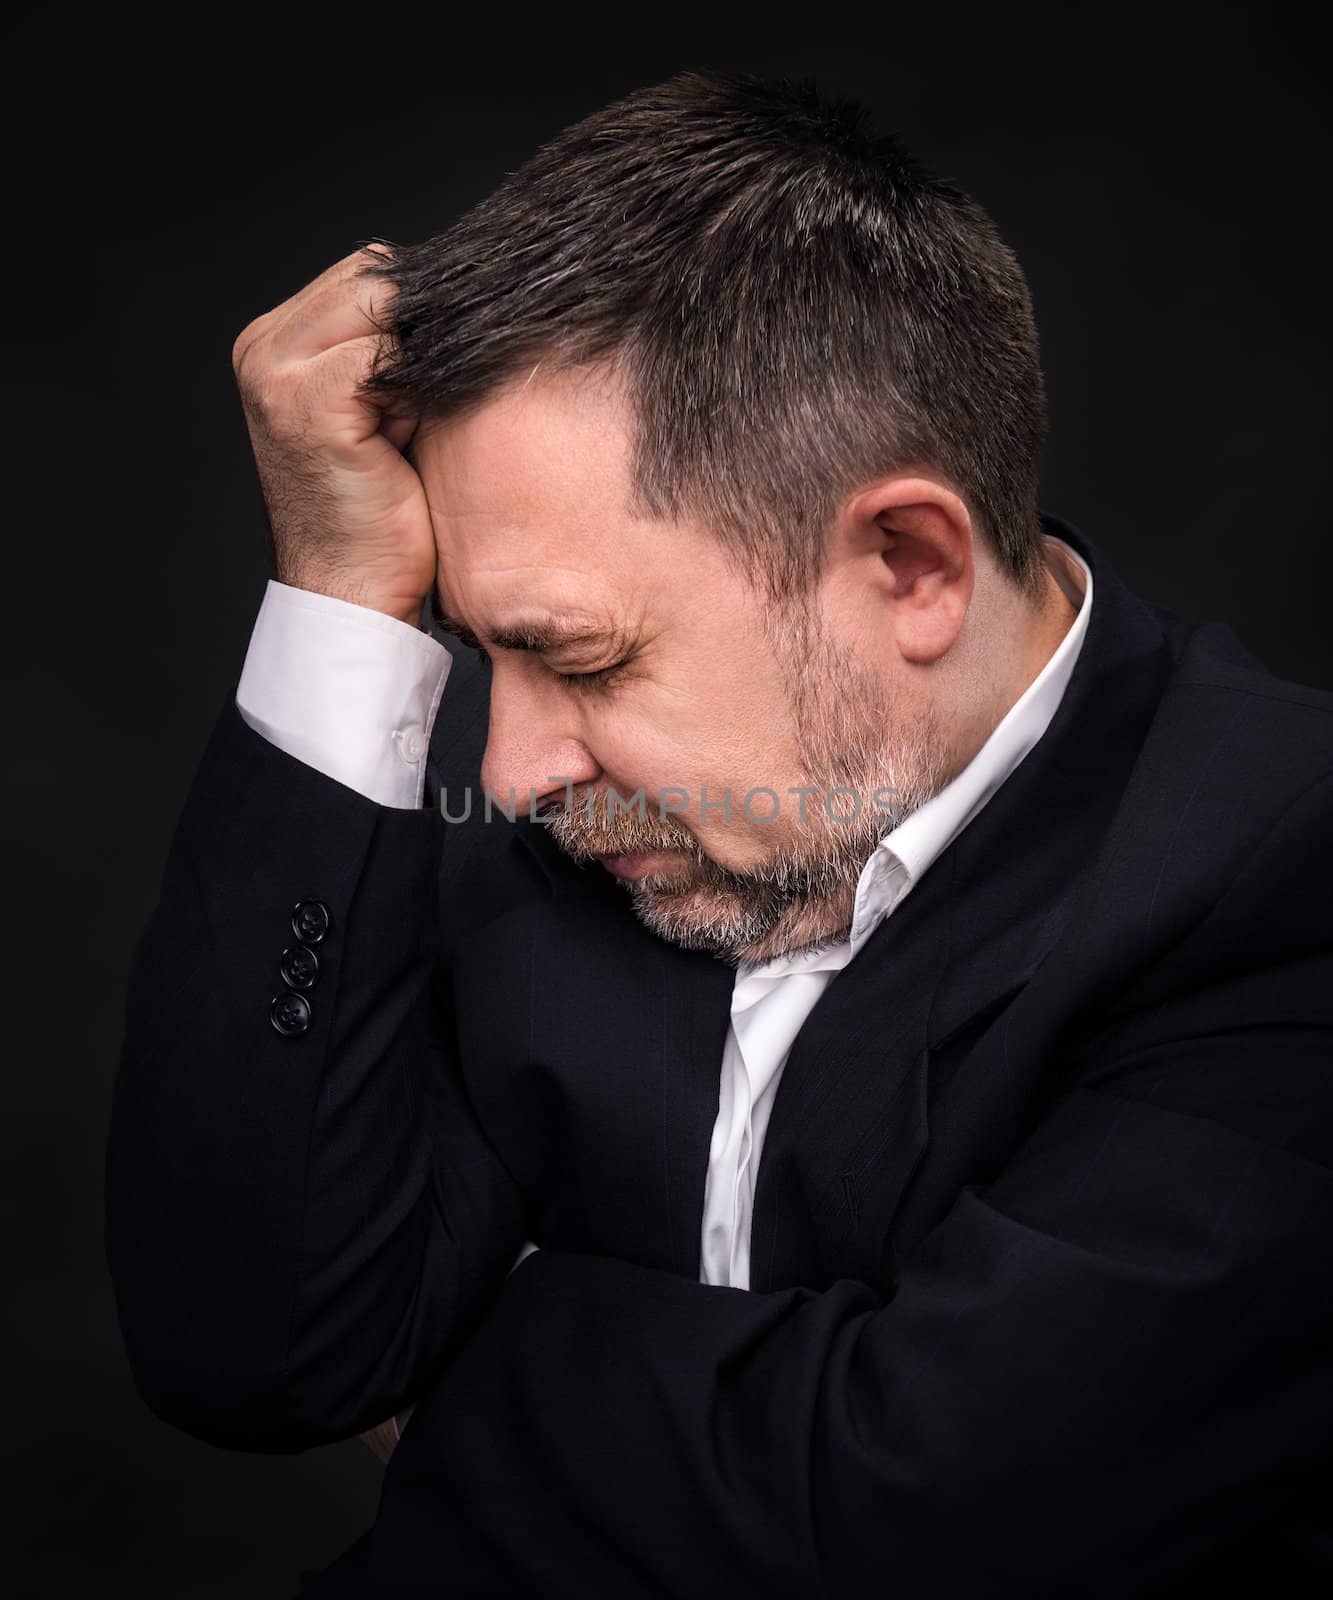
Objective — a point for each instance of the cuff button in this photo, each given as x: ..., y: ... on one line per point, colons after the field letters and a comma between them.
x: 299, y: 967
x: 411, y: 743
x: 310, y: 920
x: 290, y: 1013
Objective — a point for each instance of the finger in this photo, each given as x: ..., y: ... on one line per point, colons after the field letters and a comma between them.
x: 344, y: 302
x: 334, y: 279
x: 338, y: 274
x: 329, y: 385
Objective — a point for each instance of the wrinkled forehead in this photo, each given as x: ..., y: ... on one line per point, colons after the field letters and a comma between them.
x: 531, y: 501
x: 545, y: 463
x: 528, y: 497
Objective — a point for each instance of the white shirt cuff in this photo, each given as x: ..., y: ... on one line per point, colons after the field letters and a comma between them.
x: 349, y: 690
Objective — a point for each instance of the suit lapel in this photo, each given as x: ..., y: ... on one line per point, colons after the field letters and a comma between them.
x: 850, y: 1093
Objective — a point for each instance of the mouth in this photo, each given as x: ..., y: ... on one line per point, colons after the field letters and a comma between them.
x: 635, y: 864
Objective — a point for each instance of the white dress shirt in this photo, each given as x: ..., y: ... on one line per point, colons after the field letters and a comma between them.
x: 354, y: 693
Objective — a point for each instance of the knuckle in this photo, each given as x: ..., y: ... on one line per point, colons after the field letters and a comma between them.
x: 245, y: 348
x: 376, y: 249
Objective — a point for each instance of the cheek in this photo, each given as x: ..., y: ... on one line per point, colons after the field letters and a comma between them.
x: 705, y: 789
x: 657, y: 754
x: 647, y: 760
x: 700, y: 732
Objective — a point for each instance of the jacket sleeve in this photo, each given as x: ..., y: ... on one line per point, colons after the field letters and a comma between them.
x: 1112, y: 1361
x: 299, y: 1226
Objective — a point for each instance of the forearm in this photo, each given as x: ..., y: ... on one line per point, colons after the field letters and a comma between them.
x: 1079, y: 1384
x: 297, y: 1225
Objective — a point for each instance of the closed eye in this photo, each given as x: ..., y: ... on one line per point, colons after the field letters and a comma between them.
x: 590, y: 680
x: 579, y: 681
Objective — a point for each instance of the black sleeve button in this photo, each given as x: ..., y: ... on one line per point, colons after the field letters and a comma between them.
x: 290, y: 1013
x: 310, y: 920
x: 299, y: 967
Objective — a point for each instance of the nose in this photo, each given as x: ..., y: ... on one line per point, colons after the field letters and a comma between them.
x: 533, y: 744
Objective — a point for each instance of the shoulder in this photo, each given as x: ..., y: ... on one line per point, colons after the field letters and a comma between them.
x: 1216, y: 859
x: 1208, y: 941
x: 1217, y: 869
x: 1232, y: 744
x: 1211, y: 656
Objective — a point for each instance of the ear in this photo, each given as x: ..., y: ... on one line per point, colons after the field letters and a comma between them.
x: 904, y: 548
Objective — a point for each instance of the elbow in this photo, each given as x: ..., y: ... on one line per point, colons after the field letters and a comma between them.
x: 227, y: 1409
x: 238, y: 1396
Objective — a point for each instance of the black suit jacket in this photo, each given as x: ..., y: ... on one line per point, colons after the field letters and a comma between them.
x: 1041, y: 1299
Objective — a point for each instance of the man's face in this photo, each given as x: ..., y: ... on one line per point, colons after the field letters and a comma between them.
x: 688, y: 689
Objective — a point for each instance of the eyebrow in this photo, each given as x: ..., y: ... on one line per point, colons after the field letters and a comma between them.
x: 543, y: 631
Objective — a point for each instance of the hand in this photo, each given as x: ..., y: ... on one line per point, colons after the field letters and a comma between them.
x: 346, y: 509
x: 381, y: 1439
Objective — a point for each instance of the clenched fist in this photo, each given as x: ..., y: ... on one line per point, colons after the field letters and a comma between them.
x: 347, y: 510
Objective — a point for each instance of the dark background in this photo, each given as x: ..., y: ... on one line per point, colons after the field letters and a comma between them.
x: 172, y: 175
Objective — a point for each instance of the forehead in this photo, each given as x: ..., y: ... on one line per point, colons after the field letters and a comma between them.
x: 545, y: 454
x: 529, y: 497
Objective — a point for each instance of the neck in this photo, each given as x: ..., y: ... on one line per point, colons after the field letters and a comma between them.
x: 1038, y: 630
x: 1054, y: 620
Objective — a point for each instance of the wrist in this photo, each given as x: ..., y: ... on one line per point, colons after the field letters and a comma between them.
x: 404, y: 608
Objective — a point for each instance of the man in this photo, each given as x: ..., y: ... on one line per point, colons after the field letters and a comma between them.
x: 789, y: 1029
